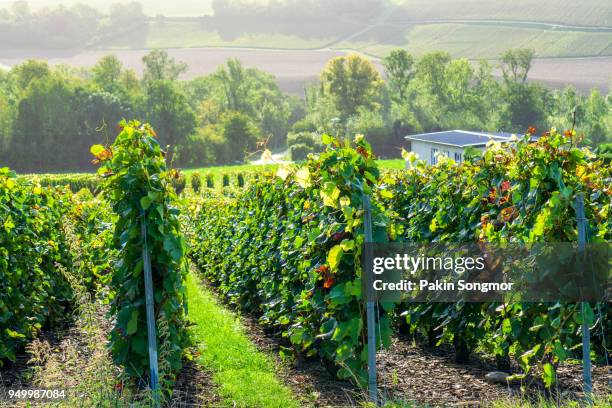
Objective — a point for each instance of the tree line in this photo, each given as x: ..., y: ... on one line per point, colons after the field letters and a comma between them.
x: 50, y: 116
x: 62, y: 27
x: 436, y: 92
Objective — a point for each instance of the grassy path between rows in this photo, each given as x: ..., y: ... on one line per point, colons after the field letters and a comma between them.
x: 245, y: 376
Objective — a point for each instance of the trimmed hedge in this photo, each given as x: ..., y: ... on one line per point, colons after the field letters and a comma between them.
x: 76, y: 182
x: 33, y: 290
x: 288, y: 248
x: 523, y: 192
x: 196, y: 182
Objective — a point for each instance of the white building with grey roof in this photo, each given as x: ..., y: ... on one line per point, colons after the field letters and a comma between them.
x: 451, y: 143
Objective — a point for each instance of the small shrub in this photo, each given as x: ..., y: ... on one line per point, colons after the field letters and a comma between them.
x: 196, y: 182
x: 179, y: 181
x: 240, y: 179
x: 75, y: 182
x: 306, y: 138
x: 604, y: 152
x: 210, y: 181
x: 304, y: 125
x: 226, y: 180
x: 299, y: 152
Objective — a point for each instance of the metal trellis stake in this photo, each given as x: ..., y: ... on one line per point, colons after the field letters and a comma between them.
x: 150, y: 304
x: 586, y: 333
x: 372, y: 384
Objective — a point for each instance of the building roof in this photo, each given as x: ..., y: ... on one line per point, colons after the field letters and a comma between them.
x: 460, y: 138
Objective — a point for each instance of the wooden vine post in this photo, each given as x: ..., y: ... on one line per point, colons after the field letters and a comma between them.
x: 586, y: 335
x: 371, y: 322
x: 150, y: 304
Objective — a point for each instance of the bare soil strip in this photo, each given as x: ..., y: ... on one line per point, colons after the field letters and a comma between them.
x: 431, y: 376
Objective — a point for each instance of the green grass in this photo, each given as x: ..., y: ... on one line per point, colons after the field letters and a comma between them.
x: 238, y: 168
x: 487, y: 39
x: 473, y: 29
x: 245, y: 376
x: 179, y: 34
x: 392, y: 164
x: 216, y: 170
x: 481, y: 40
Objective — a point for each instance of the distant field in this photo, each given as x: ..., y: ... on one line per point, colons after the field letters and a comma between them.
x: 477, y: 41
x: 176, y: 34
x: 472, y: 40
x: 578, y: 50
x: 581, y: 12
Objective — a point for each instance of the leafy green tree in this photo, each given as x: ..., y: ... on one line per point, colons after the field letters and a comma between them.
x: 233, y: 88
x: 352, y: 82
x: 41, y: 139
x: 130, y: 83
x: 159, y: 66
x: 240, y: 135
x: 96, y: 114
x: 126, y: 14
x: 206, y: 147
x: 431, y: 74
x: 57, y: 121
x: 29, y: 71
x: 7, y: 114
x: 322, y: 110
x: 524, y: 104
x: 107, y: 73
x: 399, y: 69
x: 169, y: 113
x: 375, y: 127
x: 467, y: 103
x: 567, y: 108
x: 522, y: 107
x: 516, y: 64
x: 597, y: 118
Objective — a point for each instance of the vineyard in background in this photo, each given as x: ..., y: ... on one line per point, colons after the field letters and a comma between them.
x: 285, y: 245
